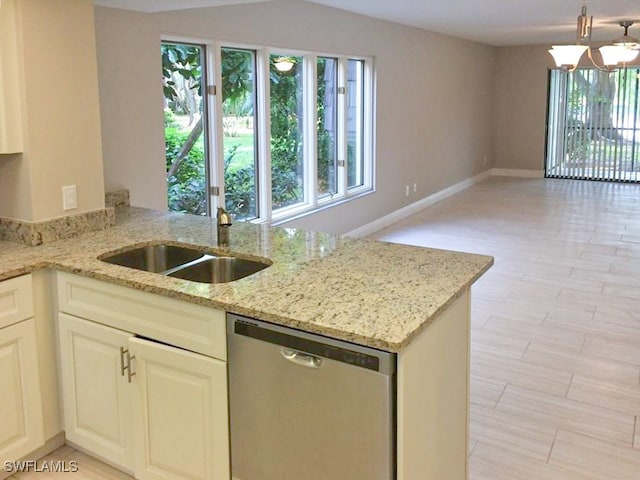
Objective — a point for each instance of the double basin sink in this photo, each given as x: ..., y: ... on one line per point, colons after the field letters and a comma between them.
x: 187, y: 263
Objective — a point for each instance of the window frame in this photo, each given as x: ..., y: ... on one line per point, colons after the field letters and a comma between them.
x: 311, y: 202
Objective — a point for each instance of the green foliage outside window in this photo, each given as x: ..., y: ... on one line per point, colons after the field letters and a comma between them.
x: 187, y: 187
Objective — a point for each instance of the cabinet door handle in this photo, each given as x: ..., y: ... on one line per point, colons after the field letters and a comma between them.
x: 130, y: 372
x: 122, y: 365
x: 125, y: 364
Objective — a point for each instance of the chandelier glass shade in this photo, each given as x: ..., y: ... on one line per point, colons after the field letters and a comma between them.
x: 567, y: 54
x: 622, y: 51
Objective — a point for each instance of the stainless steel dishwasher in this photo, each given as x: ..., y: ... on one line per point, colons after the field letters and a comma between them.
x: 307, y: 407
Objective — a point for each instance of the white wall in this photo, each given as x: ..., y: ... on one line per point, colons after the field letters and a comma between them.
x: 434, y: 96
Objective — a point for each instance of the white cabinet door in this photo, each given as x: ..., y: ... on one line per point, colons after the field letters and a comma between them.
x: 21, y: 428
x: 96, y: 396
x: 180, y: 407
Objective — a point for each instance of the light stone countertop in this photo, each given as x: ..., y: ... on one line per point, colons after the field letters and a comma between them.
x: 368, y: 292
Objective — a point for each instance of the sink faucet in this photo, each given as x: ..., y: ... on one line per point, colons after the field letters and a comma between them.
x: 223, y: 221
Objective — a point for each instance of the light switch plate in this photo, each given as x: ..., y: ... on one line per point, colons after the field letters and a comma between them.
x: 69, y: 197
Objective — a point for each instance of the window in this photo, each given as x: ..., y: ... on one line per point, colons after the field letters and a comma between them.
x: 240, y: 140
x: 286, y: 101
x: 303, y: 131
x: 355, y: 124
x: 327, y: 90
x: 291, y: 131
x: 185, y: 128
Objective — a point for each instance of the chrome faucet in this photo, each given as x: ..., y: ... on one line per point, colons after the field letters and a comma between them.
x: 223, y: 221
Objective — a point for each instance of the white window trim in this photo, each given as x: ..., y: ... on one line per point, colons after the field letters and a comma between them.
x: 216, y: 129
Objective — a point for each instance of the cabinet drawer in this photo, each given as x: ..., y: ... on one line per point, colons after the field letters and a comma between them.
x: 16, y: 300
x: 175, y: 322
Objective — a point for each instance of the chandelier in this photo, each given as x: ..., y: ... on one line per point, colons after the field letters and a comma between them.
x: 621, y: 51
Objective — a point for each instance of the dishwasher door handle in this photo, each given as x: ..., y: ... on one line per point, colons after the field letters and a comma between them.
x: 300, y: 358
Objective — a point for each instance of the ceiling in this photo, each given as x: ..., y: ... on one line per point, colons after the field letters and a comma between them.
x: 494, y: 22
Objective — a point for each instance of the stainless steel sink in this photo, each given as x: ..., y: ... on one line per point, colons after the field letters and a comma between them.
x: 154, y: 258
x: 218, y: 269
x: 186, y: 263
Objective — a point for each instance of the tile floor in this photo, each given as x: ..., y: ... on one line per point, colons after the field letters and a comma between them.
x: 65, y: 463
x: 555, y: 353
x: 555, y: 366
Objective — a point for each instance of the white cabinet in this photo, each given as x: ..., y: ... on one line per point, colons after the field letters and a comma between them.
x: 180, y: 411
x: 97, y: 412
x: 21, y: 420
x: 10, y: 110
x: 433, y: 399
x: 157, y: 410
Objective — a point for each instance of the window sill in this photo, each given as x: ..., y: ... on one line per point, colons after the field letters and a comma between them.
x: 301, y: 213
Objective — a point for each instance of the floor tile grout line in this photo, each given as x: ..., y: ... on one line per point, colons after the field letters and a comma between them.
x: 504, y: 389
x: 584, y: 342
x: 566, y: 395
x: 553, y: 443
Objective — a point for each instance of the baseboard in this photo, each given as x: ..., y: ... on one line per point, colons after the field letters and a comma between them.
x: 49, y: 446
x: 396, y: 216
x: 516, y: 172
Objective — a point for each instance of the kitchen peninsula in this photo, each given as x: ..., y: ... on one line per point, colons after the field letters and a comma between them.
x: 409, y: 300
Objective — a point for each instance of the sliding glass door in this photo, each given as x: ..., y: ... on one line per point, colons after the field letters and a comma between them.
x: 593, y: 127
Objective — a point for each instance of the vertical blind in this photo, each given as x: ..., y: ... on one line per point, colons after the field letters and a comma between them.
x: 593, y: 126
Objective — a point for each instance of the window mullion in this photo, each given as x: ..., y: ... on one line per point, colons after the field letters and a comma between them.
x: 369, y: 132
x: 216, y: 147
x: 342, y: 127
x: 310, y: 119
x: 264, y: 135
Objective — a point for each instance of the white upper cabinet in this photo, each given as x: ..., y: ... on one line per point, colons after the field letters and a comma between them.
x: 11, y: 135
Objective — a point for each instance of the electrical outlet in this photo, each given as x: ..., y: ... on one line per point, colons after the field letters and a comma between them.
x: 415, y: 187
x: 69, y: 197
x: 485, y: 160
x: 406, y: 190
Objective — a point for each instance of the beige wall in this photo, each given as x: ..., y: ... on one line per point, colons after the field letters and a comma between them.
x: 62, y: 143
x: 434, y: 96
x: 521, y: 89
x: 129, y: 67
x: 521, y: 107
